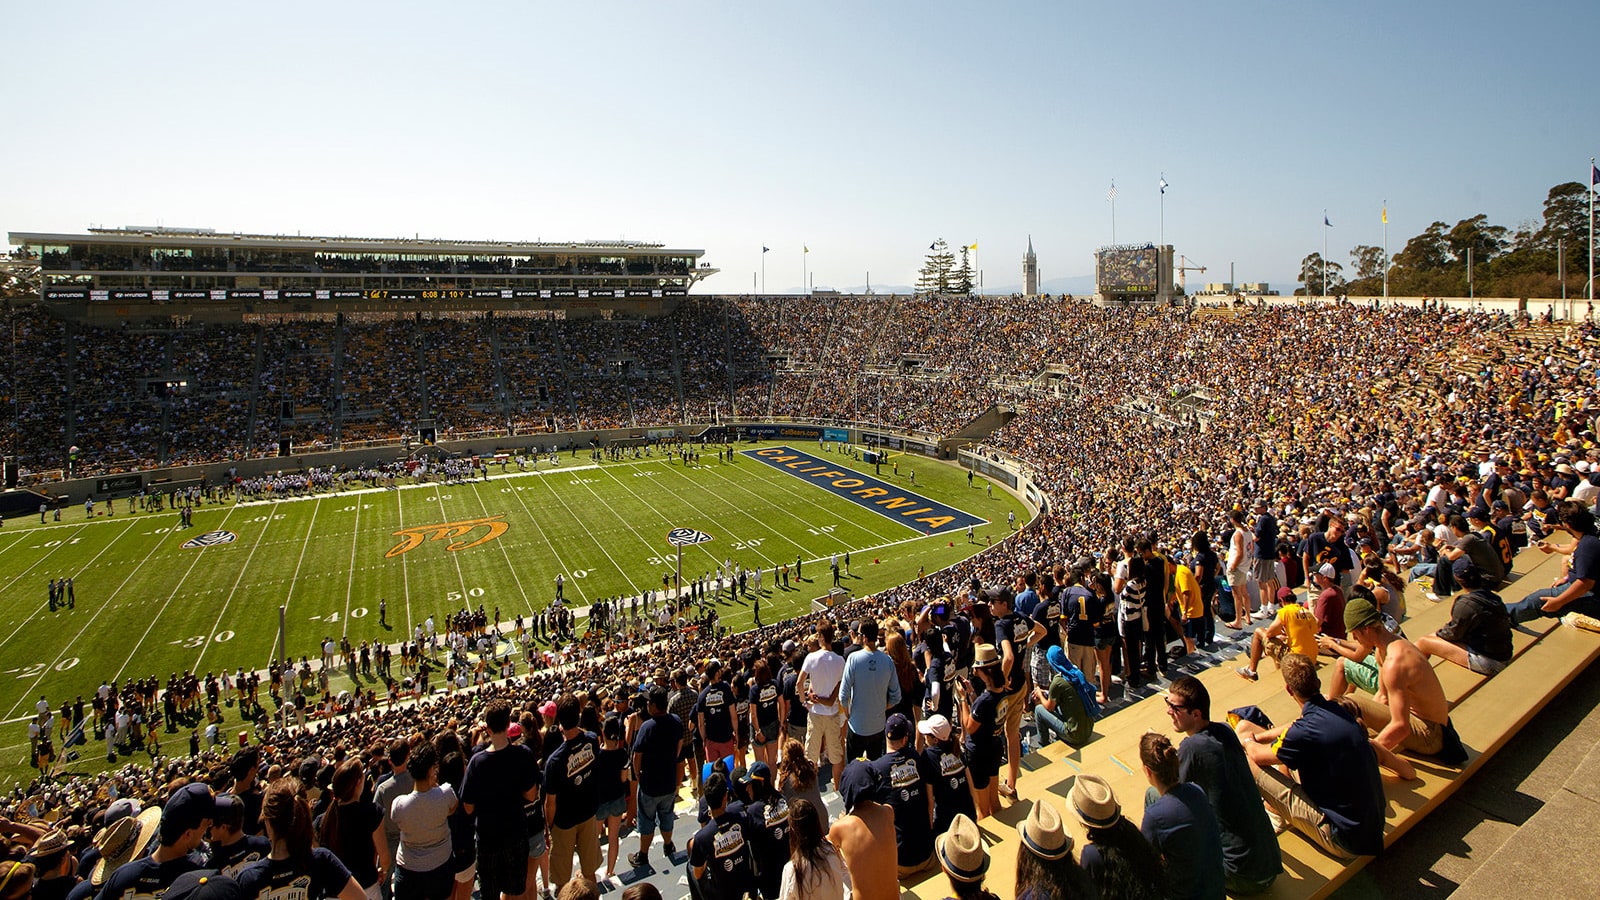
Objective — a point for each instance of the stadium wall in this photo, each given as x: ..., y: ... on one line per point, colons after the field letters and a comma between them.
x: 74, y: 491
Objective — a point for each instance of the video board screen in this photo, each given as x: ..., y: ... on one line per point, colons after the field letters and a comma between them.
x: 1127, y: 270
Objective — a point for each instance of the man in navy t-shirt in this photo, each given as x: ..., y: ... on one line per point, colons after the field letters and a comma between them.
x: 655, y: 758
x: 500, y: 778
x: 1338, y: 801
x: 570, y: 795
x: 906, y: 785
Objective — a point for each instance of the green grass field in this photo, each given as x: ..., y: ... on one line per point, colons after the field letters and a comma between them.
x: 146, y: 605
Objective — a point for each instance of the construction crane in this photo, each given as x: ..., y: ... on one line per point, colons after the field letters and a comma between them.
x: 1184, y: 267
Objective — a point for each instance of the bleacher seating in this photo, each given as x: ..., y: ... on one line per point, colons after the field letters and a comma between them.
x: 1487, y: 712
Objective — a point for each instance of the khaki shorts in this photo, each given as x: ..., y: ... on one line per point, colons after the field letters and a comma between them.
x: 1426, y: 738
x: 1012, y: 706
x: 825, y: 738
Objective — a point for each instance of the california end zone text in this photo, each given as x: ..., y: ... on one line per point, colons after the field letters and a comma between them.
x: 911, y: 509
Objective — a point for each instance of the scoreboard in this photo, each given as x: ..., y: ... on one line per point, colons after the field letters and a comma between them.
x: 1128, y: 270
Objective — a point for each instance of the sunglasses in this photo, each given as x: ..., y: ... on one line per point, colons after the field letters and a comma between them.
x: 1176, y: 707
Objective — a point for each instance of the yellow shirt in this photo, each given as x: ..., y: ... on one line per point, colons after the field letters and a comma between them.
x: 1300, y: 627
x: 1187, y: 588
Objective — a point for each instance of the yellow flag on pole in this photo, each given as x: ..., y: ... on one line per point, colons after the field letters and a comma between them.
x: 1386, y: 215
x: 805, y: 249
x: 972, y: 246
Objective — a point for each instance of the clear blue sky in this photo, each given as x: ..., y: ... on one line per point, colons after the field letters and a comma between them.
x: 864, y: 130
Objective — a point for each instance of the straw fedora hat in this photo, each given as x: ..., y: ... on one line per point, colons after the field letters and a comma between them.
x: 1094, y: 802
x: 121, y: 842
x: 961, y: 852
x: 1043, y: 833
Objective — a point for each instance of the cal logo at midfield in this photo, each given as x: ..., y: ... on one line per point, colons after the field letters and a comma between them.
x: 911, y: 509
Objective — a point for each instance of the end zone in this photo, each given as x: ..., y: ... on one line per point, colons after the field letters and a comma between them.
x: 910, y: 509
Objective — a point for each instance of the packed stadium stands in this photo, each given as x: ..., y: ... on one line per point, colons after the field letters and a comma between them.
x: 1144, y: 423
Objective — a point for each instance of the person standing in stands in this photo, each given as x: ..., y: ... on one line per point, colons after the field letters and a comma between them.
x: 499, y: 779
x: 1338, y: 801
x: 295, y: 869
x: 868, y: 688
x: 570, y: 792
x: 1181, y: 825
x: 721, y: 858
x: 1211, y: 758
x: 184, y: 822
x: 906, y: 781
x: 655, y: 759
x: 1014, y: 633
x: 421, y: 816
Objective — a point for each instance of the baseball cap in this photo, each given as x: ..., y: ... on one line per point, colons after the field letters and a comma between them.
x: 515, y: 731
x: 936, y: 726
x: 859, y: 782
x: 1359, y: 612
x: 188, y: 808
x: 548, y: 708
x: 1285, y: 595
x: 761, y: 770
x: 897, y: 728
x: 1329, y: 572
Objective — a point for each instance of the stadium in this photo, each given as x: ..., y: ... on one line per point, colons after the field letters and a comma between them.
x: 308, y: 494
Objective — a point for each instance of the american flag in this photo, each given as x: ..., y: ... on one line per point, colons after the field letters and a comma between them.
x: 1112, y: 194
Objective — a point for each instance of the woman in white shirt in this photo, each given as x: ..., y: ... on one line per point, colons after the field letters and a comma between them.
x: 815, y: 870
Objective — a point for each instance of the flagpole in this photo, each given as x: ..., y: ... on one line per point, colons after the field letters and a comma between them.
x: 1386, y: 250
x: 1588, y: 289
x: 1163, y: 231
x: 1324, y: 254
x: 763, y: 269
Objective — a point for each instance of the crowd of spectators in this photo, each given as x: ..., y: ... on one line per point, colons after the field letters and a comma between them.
x: 1343, y: 431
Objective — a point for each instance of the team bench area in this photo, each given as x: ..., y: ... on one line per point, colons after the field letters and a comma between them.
x: 1486, y: 711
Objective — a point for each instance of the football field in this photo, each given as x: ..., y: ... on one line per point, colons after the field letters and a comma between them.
x: 151, y: 602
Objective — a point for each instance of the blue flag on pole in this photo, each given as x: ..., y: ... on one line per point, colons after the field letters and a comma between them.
x: 1594, y: 175
x: 1325, y: 220
x: 765, y: 249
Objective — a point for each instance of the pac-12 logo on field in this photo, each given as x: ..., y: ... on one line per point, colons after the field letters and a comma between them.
x: 684, y: 537
x: 210, y: 539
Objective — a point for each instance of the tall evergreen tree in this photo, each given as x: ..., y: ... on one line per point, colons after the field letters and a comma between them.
x: 938, y: 270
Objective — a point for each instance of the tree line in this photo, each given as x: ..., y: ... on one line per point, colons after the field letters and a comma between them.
x: 1505, y: 262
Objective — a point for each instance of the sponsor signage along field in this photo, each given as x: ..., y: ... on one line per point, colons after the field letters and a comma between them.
x: 910, y: 509
x: 768, y: 432
x: 835, y: 434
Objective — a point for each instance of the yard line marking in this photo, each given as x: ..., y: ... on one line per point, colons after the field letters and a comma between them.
x: 736, y: 508
x: 18, y: 576
x: 786, y: 487
x: 304, y: 543
x: 549, y: 543
x: 350, y: 583
x: 236, y: 582
x: 405, y: 572
x: 157, y: 617
x: 629, y: 525
x: 460, y: 578
x: 702, y: 547
x: 620, y: 570
x: 80, y: 571
x: 507, y: 554
x: 19, y: 536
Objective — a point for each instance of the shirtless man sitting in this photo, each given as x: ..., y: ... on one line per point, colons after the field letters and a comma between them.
x: 865, y: 835
x: 1410, y: 712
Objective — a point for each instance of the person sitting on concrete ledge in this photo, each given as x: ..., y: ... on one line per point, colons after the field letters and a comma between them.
x: 1358, y: 666
x: 1338, y: 801
x: 1410, y: 711
x: 1574, y: 591
x: 1478, y: 635
x: 1293, y: 630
